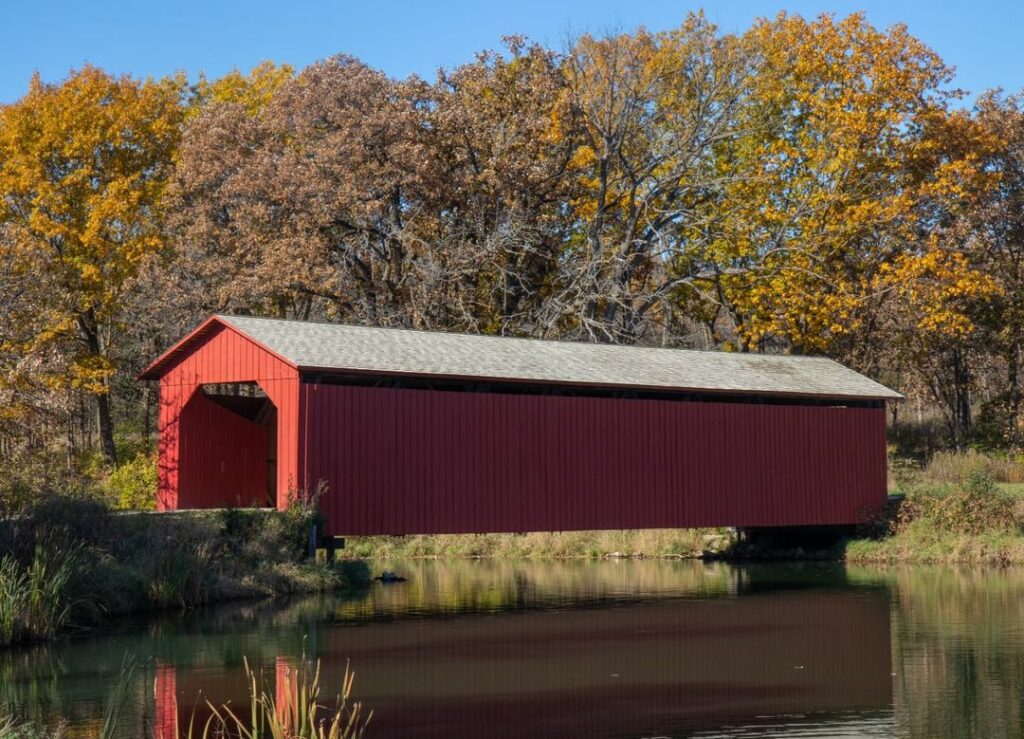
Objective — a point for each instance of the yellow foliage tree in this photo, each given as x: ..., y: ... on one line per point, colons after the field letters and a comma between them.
x: 253, y: 91
x: 957, y: 296
x: 820, y: 191
x: 82, y: 169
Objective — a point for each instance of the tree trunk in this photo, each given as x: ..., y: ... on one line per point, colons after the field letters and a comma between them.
x: 961, y: 398
x: 90, y: 329
x: 147, y: 415
x: 70, y: 451
x: 106, y: 427
x: 1013, y: 399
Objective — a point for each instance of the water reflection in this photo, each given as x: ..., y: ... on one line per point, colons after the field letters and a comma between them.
x: 646, y: 668
x: 646, y: 648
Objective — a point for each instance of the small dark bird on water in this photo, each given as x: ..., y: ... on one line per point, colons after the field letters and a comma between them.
x: 387, y: 577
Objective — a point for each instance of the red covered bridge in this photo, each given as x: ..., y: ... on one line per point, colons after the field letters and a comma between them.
x: 421, y: 432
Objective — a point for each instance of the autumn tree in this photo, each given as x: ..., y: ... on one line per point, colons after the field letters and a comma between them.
x: 819, y: 192
x: 996, y: 226
x: 651, y: 109
x: 304, y: 205
x: 82, y: 169
x: 354, y: 196
x: 184, y: 302
x: 976, y: 207
x: 501, y: 137
x: 935, y: 290
x: 253, y: 90
x: 806, y: 186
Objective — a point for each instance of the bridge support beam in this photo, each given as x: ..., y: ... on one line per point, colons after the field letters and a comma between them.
x: 785, y: 540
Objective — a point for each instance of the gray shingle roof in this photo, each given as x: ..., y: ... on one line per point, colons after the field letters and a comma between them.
x: 398, y: 351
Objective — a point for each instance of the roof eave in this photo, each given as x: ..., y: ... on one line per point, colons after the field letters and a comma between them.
x: 313, y: 369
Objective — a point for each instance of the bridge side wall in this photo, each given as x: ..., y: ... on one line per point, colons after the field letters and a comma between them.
x: 399, y: 461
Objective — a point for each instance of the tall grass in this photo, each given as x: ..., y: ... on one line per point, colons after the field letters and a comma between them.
x: 543, y: 545
x: 126, y: 562
x: 299, y: 715
x: 35, y: 601
x: 956, y: 510
x: 958, y: 467
x: 12, y: 729
x: 974, y: 506
x: 118, y: 698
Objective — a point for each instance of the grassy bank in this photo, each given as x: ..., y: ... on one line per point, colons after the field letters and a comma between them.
x: 553, y: 545
x: 72, y: 564
x: 960, y: 508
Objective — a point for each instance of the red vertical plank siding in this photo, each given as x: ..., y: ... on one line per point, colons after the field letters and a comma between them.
x: 165, y: 699
x: 421, y: 461
x: 167, y: 447
x: 220, y: 357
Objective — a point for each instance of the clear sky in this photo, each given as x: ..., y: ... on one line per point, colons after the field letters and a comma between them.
x: 982, y: 39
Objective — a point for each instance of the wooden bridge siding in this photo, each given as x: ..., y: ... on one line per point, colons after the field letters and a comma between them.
x: 221, y: 357
x: 418, y: 461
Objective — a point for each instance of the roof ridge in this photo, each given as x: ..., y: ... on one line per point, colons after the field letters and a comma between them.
x: 569, y: 342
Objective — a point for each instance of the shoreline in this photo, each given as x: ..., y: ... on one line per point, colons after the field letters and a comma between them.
x: 917, y: 544
x: 338, y: 577
x: 68, y: 563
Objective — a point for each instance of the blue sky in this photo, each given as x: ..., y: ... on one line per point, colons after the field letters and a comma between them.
x: 981, y: 39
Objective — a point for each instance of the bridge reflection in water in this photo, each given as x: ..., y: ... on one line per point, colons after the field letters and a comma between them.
x: 736, y: 648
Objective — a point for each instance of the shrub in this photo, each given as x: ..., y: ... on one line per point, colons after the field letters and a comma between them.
x: 997, y: 426
x: 974, y: 506
x: 918, y: 440
x: 28, y: 475
x: 56, y: 523
x: 260, y: 536
x: 132, y: 486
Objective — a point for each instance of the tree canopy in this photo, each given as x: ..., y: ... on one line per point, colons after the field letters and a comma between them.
x: 809, y: 185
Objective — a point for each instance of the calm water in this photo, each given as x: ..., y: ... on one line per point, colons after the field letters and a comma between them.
x: 567, y: 649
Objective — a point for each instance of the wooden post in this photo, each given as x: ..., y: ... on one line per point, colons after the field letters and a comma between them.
x: 333, y: 544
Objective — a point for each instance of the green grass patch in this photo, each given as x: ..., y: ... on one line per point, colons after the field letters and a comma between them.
x: 1015, y: 489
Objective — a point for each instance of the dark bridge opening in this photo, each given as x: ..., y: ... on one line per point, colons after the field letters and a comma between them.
x: 229, y: 456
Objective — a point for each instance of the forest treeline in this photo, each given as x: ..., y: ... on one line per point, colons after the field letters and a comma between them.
x: 807, y: 186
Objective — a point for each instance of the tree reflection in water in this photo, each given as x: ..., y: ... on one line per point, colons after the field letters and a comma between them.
x: 581, y: 648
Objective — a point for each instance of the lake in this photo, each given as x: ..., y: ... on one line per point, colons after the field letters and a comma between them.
x: 632, y: 648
